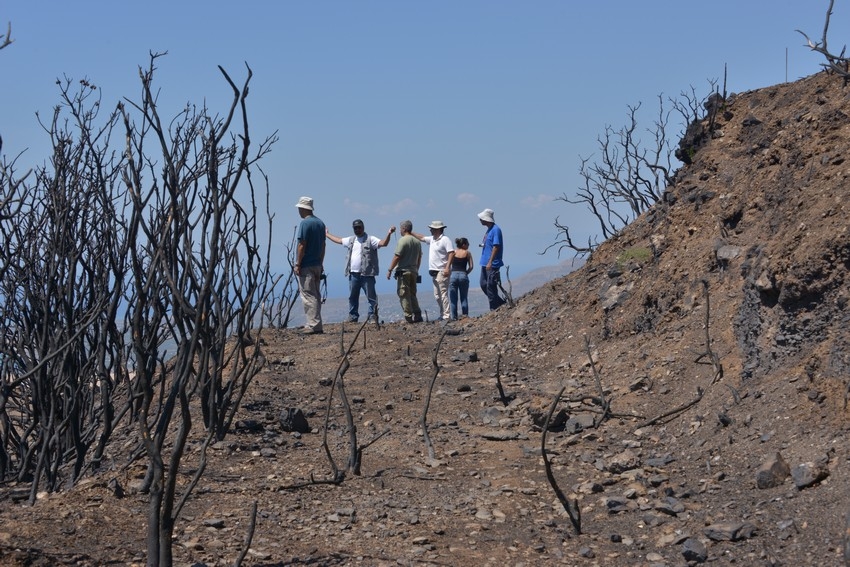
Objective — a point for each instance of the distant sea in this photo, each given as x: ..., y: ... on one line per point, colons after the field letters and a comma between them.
x: 335, y: 309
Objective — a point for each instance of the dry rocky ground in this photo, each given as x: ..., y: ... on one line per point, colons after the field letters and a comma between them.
x: 740, y: 461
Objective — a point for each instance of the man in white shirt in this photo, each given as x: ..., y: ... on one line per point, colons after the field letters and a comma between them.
x: 440, y: 254
x: 361, y: 266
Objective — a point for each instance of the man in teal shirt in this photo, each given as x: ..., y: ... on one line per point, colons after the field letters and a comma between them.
x: 309, y: 260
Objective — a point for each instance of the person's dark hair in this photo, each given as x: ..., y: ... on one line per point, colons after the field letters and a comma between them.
x: 461, y: 241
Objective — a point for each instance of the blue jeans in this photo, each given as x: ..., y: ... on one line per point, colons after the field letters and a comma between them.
x: 490, y: 280
x: 459, y: 288
x: 356, y: 282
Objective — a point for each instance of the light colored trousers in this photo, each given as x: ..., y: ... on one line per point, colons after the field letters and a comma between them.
x: 311, y: 296
x: 441, y: 293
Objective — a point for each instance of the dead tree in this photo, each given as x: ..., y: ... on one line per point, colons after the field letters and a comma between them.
x: 62, y: 272
x: 199, y: 281
x: 839, y: 64
x: 627, y: 178
x: 623, y: 182
x: 355, y: 450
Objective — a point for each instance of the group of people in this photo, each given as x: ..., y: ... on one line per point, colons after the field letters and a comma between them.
x: 449, y: 266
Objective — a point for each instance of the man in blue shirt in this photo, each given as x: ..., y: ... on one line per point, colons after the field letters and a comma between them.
x: 491, y: 259
x: 309, y: 260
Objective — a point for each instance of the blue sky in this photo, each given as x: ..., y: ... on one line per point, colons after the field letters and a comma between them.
x: 390, y: 110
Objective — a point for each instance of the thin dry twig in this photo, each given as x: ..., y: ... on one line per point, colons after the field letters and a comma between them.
x: 712, y: 356
x: 606, y: 405
x: 675, y: 411
x: 6, y: 40
x: 505, y: 400
x: 249, y: 537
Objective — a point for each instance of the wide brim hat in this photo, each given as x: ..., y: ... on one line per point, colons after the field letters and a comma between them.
x: 305, y: 203
x: 486, y: 215
x: 436, y: 225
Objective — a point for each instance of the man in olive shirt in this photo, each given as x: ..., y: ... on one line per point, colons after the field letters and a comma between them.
x: 408, y: 256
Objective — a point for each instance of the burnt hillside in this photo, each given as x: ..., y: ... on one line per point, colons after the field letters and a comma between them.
x: 681, y: 443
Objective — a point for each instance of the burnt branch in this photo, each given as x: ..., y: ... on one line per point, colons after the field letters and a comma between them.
x: 249, y: 536
x: 570, y: 506
x: 506, y: 293
x: 423, y: 422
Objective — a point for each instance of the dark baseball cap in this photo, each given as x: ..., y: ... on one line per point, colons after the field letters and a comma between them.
x: 357, y: 223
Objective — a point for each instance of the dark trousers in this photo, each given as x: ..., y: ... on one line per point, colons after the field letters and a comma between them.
x: 490, y: 281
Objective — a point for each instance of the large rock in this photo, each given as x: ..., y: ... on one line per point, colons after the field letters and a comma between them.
x: 772, y: 472
x: 809, y: 474
x: 293, y: 419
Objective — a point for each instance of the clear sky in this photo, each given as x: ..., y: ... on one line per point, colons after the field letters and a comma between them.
x: 391, y: 109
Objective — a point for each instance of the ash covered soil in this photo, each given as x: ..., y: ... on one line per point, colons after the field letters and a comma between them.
x: 681, y: 443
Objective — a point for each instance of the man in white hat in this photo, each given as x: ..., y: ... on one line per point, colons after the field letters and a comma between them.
x: 491, y: 259
x: 440, y: 255
x: 309, y: 260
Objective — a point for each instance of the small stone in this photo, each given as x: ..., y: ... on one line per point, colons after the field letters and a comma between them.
x: 730, y: 531
x: 214, y: 523
x: 586, y: 552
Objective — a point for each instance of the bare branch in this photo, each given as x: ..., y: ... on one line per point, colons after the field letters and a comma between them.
x: 6, y: 40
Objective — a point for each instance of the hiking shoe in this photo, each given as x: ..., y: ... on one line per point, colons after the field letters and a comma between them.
x: 307, y: 331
